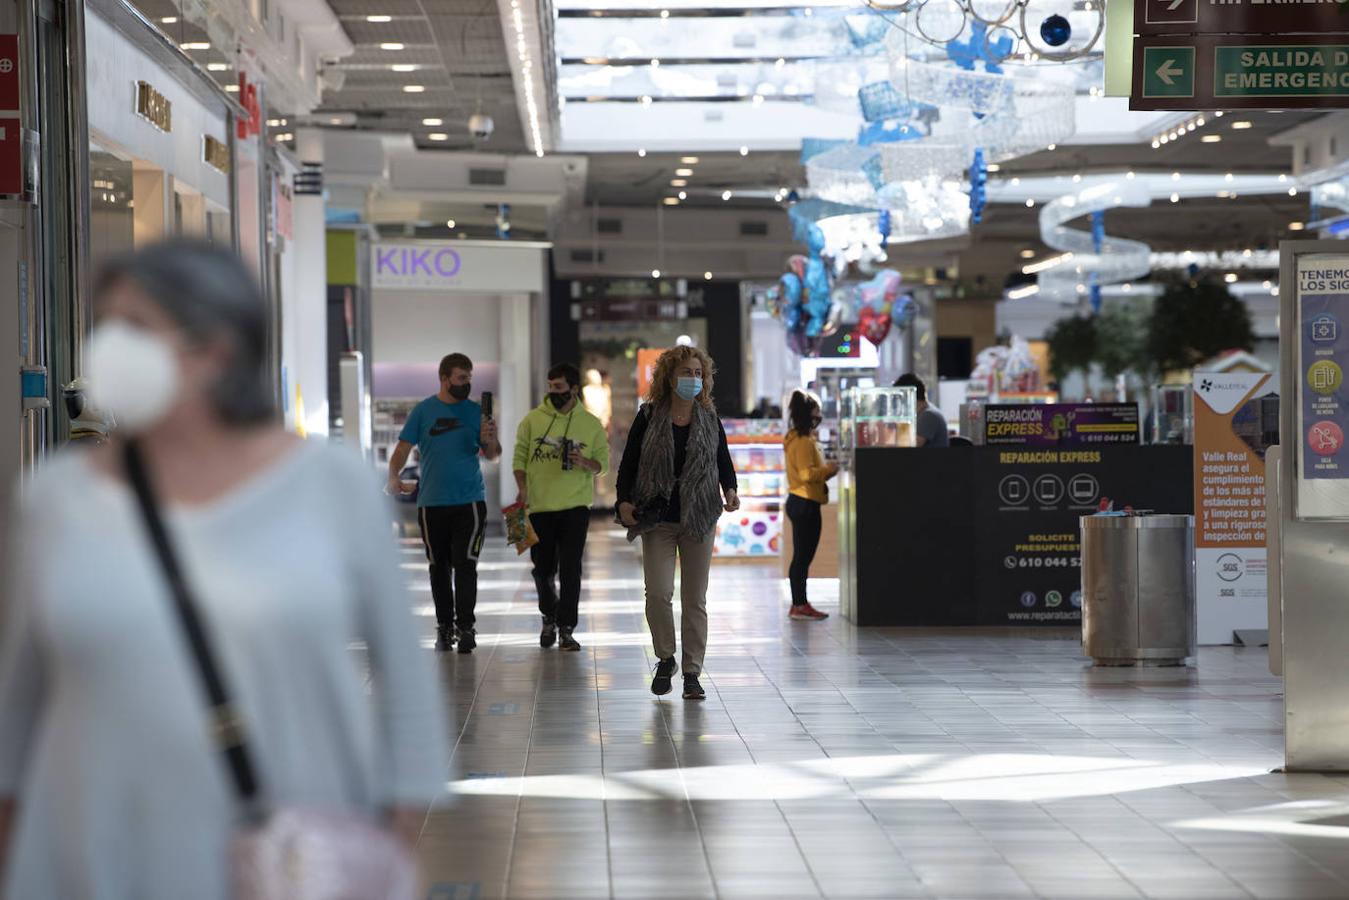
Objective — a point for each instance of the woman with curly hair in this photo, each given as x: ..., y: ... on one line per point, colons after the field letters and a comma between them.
x: 674, y: 481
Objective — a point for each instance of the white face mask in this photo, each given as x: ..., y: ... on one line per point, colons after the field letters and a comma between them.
x: 133, y: 374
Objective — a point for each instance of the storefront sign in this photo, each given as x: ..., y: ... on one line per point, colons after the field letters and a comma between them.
x: 1230, y: 434
x: 9, y: 73
x: 458, y: 266
x: 153, y: 106
x: 1226, y: 71
x: 249, y: 125
x: 1254, y: 17
x: 1061, y: 424
x: 11, y: 156
x: 215, y: 154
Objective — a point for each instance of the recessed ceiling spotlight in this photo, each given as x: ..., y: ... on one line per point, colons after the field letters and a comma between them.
x: 683, y: 195
x: 1242, y: 126
x: 1175, y: 176
x: 1027, y: 254
x: 196, y: 45
x: 642, y: 153
x: 392, y: 45
x: 671, y: 201
x: 437, y: 136
x: 414, y: 88
x: 1211, y: 139
x: 169, y: 20
x: 726, y: 195
x: 1292, y: 192
x: 993, y: 167
x: 379, y: 20
x: 707, y: 276
x: 1296, y: 226
x: 689, y: 160
x: 1030, y: 204
x: 684, y: 173
x: 217, y: 67
x: 679, y: 182
x: 433, y: 122
x: 744, y: 151
x: 1230, y: 278
x: 655, y: 273
x: 403, y: 67
x: 1175, y: 198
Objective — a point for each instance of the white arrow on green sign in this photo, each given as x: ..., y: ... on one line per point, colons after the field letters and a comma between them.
x: 1168, y: 72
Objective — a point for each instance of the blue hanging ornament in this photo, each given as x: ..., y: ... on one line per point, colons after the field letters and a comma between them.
x: 883, y: 224
x: 978, y: 186
x: 1055, y: 30
x: 1097, y: 230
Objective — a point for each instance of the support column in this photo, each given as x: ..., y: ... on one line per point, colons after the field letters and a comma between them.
x: 308, y: 383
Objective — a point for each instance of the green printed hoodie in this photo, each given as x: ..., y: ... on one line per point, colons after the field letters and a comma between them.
x: 538, y: 453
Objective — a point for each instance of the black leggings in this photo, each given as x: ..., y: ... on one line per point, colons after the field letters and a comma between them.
x: 805, y: 516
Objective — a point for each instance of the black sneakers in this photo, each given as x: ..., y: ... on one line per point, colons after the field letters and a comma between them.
x: 468, y: 640
x: 548, y: 636
x: 665, y: 673
x: 444, y: 638
x: 692, y: 689
x: 568, y: 642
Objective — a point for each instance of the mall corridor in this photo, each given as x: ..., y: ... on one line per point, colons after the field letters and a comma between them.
x: 835, y: 762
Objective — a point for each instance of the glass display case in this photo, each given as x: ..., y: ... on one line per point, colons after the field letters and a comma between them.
x: 878, y: 417
x: 755, y: 530
x: 1172, y: 414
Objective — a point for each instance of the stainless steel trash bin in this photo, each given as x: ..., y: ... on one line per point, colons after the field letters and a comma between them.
x: 1138, y: 597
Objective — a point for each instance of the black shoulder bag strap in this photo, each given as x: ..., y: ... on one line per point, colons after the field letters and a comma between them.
x: 226, y: 724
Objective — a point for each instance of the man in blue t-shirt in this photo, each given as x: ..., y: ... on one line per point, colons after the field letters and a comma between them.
x: 450, y: 432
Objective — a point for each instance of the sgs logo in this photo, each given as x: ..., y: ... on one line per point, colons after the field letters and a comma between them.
x: 1231, y: 567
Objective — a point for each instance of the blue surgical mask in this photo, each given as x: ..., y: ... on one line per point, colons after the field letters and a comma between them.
x: 689, y: 388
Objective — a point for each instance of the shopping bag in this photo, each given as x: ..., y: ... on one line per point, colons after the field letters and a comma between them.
x: 519, y: 531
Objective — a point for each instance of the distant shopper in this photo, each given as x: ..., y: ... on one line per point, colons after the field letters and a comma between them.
x: 674, y: 481
x: 807, y: 492
x: 560, y: 448
x: 932, y: 430
x: 450, y: 432
x: 113, y: 775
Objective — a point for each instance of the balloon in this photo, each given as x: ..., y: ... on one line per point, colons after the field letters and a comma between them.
x: 874, y: 300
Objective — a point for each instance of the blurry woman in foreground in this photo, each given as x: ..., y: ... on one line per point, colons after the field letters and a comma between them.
x: 111, y: 782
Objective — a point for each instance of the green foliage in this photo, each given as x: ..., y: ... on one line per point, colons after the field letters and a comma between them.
x: 1072, y: 345
x: 1122, y: 338
x: 1196, y: 319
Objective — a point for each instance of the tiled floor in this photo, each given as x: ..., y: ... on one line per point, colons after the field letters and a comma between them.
x: 835, y: 762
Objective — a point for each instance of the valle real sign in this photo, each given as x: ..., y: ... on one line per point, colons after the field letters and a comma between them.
x: 498, y: 268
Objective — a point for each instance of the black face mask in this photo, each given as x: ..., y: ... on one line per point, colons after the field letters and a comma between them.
x: 559, y: 400
x: 460, y: 391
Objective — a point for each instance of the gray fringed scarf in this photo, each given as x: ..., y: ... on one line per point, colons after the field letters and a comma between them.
x: 700, y: 503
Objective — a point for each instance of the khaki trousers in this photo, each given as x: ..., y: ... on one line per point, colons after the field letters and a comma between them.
x: 660, y: 547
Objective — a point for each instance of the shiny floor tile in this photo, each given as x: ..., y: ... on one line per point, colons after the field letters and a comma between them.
x: 831, y: 761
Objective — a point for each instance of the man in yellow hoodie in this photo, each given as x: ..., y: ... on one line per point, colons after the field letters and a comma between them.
x: 560, y: 448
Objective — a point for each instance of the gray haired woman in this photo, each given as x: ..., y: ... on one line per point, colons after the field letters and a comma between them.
x: 674, y: 481
x: 110, y: 785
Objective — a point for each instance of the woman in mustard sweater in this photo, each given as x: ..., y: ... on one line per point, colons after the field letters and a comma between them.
x: 807, y: 473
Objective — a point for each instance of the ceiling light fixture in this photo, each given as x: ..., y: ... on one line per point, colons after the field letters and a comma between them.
x: 726, y: 195
x: 707, y: 276
x: 642, y: 153
x: 1296, y: 226
x: 450, y: 224
x: 414, y: 88
x: 433, y: 122
x: 169, y: 20
x: 1175, y: 198
x: 1211, y: 139
x: 993, y: 167
x: 744, y: 151
x: 655, y: 273
x: 1242, y: 126
x: 196, y: 45
x: 1021, y: 293
x: 683, y: 173
x: 689, y: 160
x: 683, y: 195
x: 1027, y: 254
x: 391, y: 46
x: 1044, y: 264
x: 671, y: 201
x: 1230, y: 278
x: 1292, y: 192
x: 379, y: 20
x: 437, y: 136
x: 527, y: 76
x: 679, y: 182
x: 231, y: 88
x: 1030, y: 204
x: 217, y: 67
x: 403, y: 67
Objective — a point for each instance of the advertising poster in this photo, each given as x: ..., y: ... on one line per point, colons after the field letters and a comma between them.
x: 1029, y: 504
x: 1235, y: 419
x: 1061, y: 424
x: 1322, y: 403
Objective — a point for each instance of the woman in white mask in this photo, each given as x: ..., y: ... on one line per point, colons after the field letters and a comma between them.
x: 114, y: 778
x: 675, y: 480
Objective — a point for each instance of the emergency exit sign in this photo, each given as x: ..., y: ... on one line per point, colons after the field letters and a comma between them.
x: 1241, y: 16
x: 1233, y: 71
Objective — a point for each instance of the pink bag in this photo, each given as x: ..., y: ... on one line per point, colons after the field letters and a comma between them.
x: 306, y: 855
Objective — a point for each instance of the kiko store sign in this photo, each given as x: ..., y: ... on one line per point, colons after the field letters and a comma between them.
x: 477, y: 266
